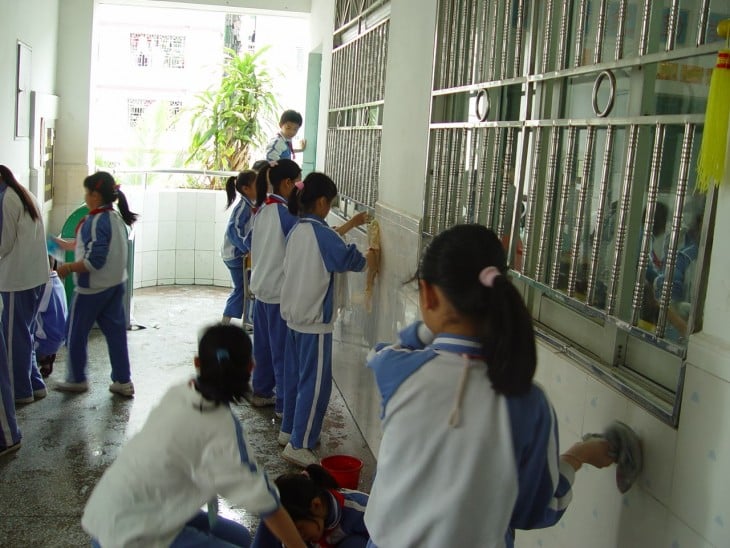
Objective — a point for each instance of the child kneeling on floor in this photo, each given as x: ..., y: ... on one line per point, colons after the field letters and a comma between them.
x: 324, y: 514
x: 191, y: 449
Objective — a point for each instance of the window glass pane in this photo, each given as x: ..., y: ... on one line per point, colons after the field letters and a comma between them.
x: 610, y: 97
x: 680, y: 87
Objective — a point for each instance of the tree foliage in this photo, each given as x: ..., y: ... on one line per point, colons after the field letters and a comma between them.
x: 228, y: 122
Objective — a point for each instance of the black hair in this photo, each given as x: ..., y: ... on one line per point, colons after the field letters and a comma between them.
x: 290, y: 116
x: 314, y: 186
x: 237, y: 184
x: 258, y: 164
x: 298, y: 490
x: 453, y: 262
x: 224, y: 352
x: 9, y: 179
x: 103, y: 183
x: 274, y: 175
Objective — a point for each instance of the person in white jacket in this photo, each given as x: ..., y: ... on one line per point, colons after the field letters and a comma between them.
x: 191, y: 449
x: 23, y: 276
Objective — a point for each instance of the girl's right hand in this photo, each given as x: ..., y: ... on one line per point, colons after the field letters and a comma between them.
x: 359, y: 219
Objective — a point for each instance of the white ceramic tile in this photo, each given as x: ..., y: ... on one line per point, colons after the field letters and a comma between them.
x: 220, y: 230
x: 603, y: 406
x: 149, y: 283
x: 642, y: 520
x: 659, y: 443
x: 566, y: 392
x: 167, y: 205
x: 137, y: 269
x: 186, y: 205
x: 221, y: 283
x: 221, y: 213
x: 149, y: 242
x: 185, y: 235
x: 205, y: 206
x: 700, y: 494
x: 680, y: 535
x: 185, y: 265
x: 166, y: 235
x: 204, y: 236
x: 185, y: 281
x: 203, y: 281
x: 204, y: 264
x: 166, y: 264
x: 166, y: 281
x: 149, y: 266
x: 151, y: 212
x: 538, y: 538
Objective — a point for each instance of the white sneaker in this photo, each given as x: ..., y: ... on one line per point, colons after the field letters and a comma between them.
x: 125, y: 389
x: 72, y: 386
x: 23, y: 401
x: 40, y: 393
x: 301, y: 457
x: 283, y: 438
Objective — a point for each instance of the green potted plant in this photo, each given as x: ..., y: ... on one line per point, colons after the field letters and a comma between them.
x: 228, y: 122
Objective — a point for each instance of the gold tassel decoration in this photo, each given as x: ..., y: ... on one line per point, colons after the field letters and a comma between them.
x: 711, y: 161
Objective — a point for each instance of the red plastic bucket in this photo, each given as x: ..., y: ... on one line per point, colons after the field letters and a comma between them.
x: 344, y: 468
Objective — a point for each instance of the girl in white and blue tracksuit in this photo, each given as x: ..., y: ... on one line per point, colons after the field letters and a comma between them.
x: 100, y: 275
x: 23, y: 275
x: 325, y: 514
x: 469, y: 451
x: 234, y: 248
x: 266, y: 240
x: 50, y: 330
x: 314, y: 252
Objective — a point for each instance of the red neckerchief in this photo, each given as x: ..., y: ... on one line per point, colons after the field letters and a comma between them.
x: 340, y: 500
x: 274, y: 199
x: 94, y: 211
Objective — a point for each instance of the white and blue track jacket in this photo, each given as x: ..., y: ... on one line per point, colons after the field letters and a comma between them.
x: 278, y: 148
x: 266, y: 239
x: 188, y: 451
x: 239, y: 223
x: 469, y: 484
x: 101, y: 243
x: 314, y: 252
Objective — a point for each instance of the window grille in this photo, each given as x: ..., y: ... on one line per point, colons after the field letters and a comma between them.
x: 163, y: 50
x: 136, y: 109
x: 572, y: 129
x: 354, y: 128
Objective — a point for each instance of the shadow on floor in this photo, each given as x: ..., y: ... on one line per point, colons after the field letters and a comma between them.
x: 69, y: 440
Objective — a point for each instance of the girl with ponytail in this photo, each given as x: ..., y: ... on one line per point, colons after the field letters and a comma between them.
x: 468, y: 440
x: 23, y: 276
x: 190, y: 450
x: 234, y: 250
x: 100, y: 275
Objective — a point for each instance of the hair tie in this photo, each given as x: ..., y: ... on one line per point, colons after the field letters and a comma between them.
x: 487, y: 275
x: 299, y: 185
x: 222, y: 354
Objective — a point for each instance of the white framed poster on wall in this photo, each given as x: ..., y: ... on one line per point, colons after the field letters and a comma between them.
x: 22, y: 91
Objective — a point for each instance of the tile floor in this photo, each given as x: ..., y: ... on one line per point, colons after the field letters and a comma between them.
x: 68, y: 440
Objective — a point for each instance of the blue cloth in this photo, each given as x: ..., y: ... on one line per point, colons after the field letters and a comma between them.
x: 107, y: 310
x: 20, y: 309
x: 197, y: 533
x: 9, y: 431
x: 308, y: 385
x: 50, y: 330
x: 269, y: 339
x: 234, y: 303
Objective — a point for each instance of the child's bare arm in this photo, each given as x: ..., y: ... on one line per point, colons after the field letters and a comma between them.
x: 594, y: 451
x: 356, y: 220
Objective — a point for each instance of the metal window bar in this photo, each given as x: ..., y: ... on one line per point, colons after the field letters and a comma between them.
x: 623, y: 214
x: 494, y: 176
x: 506, y: 39
x: 580, y: 33
x: 583, y: 193
x: 671, y: 257
x: 645, y: 20
x: 672, y: 26
x: 519, y: 38
x: 548, y: 36
x: 600, y: 215
x: 547, y: 216
x: 600, y: 32
x: 492, y: 68
x: 702, y: 22
x: 649, y: 212
x: 535, y: 172
x: 488, y: 134
x: 621, y: 27
x: 563, y: 36
x: 507, y: 181
x: 562, y: 220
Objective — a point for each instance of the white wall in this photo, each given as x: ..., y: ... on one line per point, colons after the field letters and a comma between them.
x: 40, y: 32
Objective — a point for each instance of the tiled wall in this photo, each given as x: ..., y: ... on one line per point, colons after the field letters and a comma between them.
x: 178, y: 237
x: 394, y: 305
x: 681, y: 499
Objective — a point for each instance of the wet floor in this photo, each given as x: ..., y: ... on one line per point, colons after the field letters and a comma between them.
x: 69, y: 440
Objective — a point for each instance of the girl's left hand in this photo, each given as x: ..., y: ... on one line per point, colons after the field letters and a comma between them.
x: 66, y: 245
